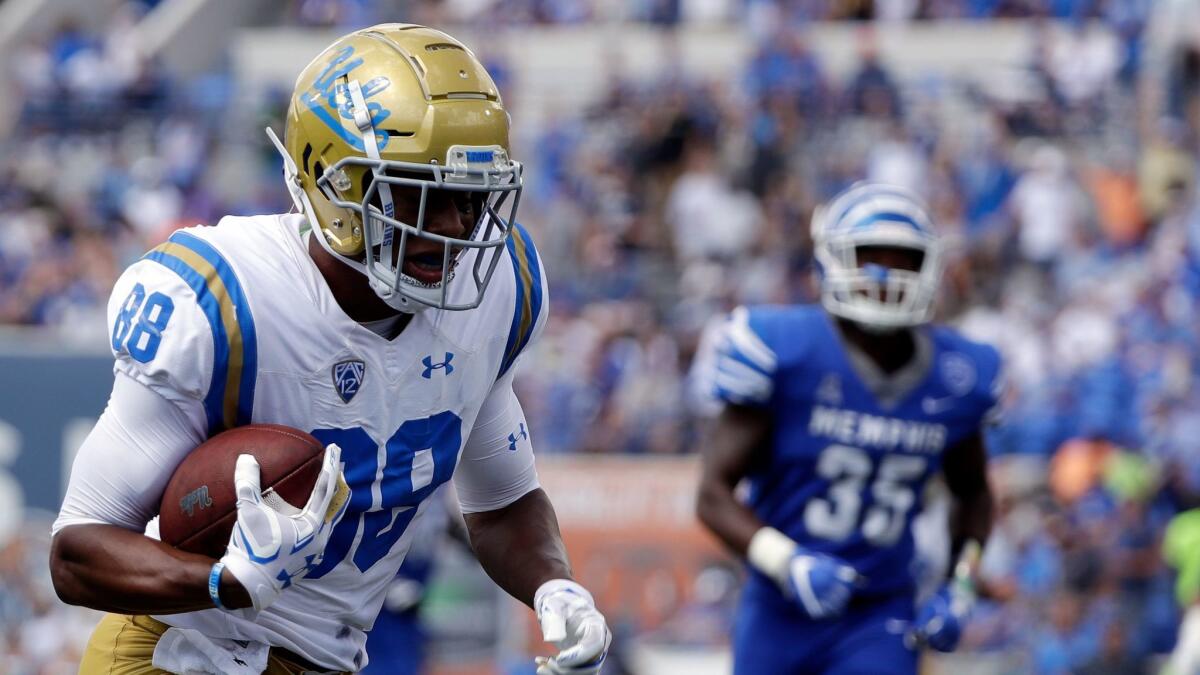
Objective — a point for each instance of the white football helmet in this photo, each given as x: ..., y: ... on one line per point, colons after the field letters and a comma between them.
x: 875, y: 297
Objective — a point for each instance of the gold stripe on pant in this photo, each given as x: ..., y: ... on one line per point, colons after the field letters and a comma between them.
x: 124, y: 645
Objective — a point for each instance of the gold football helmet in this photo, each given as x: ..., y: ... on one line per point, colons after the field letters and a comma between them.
x: 409, y: 106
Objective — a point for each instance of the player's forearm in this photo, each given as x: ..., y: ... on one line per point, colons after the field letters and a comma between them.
x: 972, y: 519
x: 965, y: 469
x: 727, y: 454
x: 519, y: 545
x: 111, y: 569
x: 729, y: 519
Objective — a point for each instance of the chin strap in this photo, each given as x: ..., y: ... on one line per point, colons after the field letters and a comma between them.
x: 291, y: 178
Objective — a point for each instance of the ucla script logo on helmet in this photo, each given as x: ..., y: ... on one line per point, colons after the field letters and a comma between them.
x: 347, y: 378
x: 328, y: 94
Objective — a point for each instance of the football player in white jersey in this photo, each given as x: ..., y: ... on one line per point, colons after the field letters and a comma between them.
x: 384, y: 317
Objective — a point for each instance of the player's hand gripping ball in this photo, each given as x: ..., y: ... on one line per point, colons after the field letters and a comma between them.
x: 571, y: 622
x: 274, y: 542
x: 821, y: 583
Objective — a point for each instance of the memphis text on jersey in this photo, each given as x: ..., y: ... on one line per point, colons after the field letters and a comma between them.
x: 874, y: 431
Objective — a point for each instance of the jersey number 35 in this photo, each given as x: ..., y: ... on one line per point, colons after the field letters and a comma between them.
x: 847, y: 469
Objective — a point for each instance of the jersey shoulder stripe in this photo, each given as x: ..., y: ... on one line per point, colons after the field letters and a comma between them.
x: 744, y: 365
x: 744, y: 341
x: 230, y: 398
x: 528, y: 305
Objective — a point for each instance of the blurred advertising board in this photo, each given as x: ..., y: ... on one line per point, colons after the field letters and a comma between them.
x: 48, y: 404
x: 630, y: 527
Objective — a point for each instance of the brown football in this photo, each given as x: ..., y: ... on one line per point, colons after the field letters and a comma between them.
x: 198, y: 507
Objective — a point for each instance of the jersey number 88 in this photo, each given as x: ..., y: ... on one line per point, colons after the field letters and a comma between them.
x: 140, y: 323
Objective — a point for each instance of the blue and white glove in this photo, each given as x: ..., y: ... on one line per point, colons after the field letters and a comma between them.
x: 274, y: 542
x: 571, y: 622
x: 941, y: 619
x: 821, y: 584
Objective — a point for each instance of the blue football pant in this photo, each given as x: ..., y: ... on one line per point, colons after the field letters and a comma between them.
x: 773, y: 637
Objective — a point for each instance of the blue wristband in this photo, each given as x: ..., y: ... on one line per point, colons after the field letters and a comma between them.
x: 214, y: 584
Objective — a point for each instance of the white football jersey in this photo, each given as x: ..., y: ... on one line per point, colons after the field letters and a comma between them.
x: 238, y: 318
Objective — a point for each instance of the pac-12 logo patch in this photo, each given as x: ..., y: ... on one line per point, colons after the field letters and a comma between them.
x: 347, y: 378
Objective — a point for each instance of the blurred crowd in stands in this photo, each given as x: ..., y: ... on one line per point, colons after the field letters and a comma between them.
x: 1071, y: 212
x: 38, y: 634
x: 353, y: 13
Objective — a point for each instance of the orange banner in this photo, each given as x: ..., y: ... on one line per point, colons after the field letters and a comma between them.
x: 630, y: 527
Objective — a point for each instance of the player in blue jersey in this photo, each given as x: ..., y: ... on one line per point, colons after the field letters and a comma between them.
x: 837, y: 416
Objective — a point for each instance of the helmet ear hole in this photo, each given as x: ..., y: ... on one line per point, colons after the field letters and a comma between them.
x: 318, y: 170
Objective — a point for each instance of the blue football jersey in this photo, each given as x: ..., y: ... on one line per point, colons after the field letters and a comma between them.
x: 846, y: 466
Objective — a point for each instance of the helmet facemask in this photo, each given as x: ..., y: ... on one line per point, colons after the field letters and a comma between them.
x: 494, y: 191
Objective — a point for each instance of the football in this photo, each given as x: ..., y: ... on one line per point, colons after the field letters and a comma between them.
x: 198, y: 507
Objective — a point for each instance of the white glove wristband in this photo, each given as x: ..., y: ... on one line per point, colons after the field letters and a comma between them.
x: 555, y: 585
x: 771, y: 552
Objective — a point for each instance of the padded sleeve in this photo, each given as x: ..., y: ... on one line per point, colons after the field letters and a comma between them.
x: 160, y: 337
x: 124, y: 464
x: 497, y: 465
x: 531, y: 298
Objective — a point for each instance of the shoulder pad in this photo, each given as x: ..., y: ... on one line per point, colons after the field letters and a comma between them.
x: 530, y: 309
x: 972, y: 369
x: 743, y: 364
x: 182, y: 324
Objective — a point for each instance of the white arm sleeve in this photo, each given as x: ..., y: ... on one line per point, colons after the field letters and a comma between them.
x: 497, y: 463
x: 124, y: 464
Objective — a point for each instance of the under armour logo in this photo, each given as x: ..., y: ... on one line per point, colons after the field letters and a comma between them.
x: 518, y: 435
x: 430, y: 366
x: 310, y: 561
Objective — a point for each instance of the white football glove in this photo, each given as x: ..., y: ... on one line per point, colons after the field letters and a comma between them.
x: 273, y: 542
x: 571, y: 622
